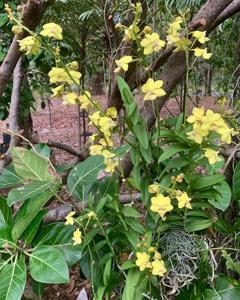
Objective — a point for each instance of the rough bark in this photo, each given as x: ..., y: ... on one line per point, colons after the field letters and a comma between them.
x: 32, y: 12
x: 13, y: 111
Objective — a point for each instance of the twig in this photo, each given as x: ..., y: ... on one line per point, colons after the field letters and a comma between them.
x: 67, y: 148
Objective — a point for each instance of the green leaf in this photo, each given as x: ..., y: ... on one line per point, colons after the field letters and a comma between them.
x: 32, y: 228
x: 47, y: 265
x: 133, y: 287
x: 140, y: 132
x: 236, y: 184
x: 43, y: 150
x: 9, y: 178
x: 197, y: 224
x: 107, y: 272
x: 84, y: 175
x: 13, y: 279
x: 31, y: 190
x: 126, y: 94
x: 3, y: 19
x: 222, y: 197
x: 5, y: 235
x: 6, y: 212
x: 231, y: 265
x: 172, y: 151
x: 199, y: 182
x: 60, y: 236
x: 31, y: 166
x: 129, y: 211
x: 28, y: 212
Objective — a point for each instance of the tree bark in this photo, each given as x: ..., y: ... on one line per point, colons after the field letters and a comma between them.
x: 14, y: 110
x: 32, y: 13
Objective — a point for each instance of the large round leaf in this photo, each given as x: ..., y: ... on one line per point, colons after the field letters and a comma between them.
x: 47, y: 265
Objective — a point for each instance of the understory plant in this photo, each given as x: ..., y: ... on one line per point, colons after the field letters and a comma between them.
x: 165, y: 239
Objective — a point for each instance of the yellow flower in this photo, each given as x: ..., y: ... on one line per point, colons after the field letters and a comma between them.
x: 197, y: 115
x: 153, y: 89
x: 107, y: 154
x: 182, y: 44
x: 91, y: 215
x: 151, y: 249
x: 157, y: 255
x: 70, y: 98
x: 77, y: 237
x: 200, y: 36
x: 212, y: 156
x: 52, y: 30
x: 93, y: 137
x: 199, y: 52
x: 183, y: 200
x: 154, y: 188
x: 173, y: 35
x: 57, y: 91
x: 30, y: 45
x: 74, y: 65
x: 147, y: 29
x: 143, y: 261
x: 95, y: 117
x: 131, y: 33
x: 111, y: 165
x: 179, y: 178
x: 195, y: 136
x: 161, y: 205
x: 152, y: 43
x: 226, y: 134
x: 8, y: 11
x: 85, y: 103
x: 96, y: 150
x: 16, y: 29
x: 60, y: 75
x: 122, y: 63
x: 69, y: 218
x: 111, y: 112
x: 158, y: 268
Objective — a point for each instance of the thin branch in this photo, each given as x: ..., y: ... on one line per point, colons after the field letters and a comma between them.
x: 80, y: 154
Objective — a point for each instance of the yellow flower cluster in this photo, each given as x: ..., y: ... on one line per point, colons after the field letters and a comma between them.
x: 8, y: 11
x: 173, y: 31
x: 62, y: 75
x: 162, y: 204
x: 77, y: 235
x: 152, y: 261
x: 105, y: 125
x: 30, y: 45
x: 204, y: 124
x: 52, y: 30
x: 153, y: 89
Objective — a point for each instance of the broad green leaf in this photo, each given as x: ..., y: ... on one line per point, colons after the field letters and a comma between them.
x: 222, y: 197
x: 84, y: 175
x: 172, y: 151
x: 28, y: 212
x: 31, y: 190
x: 47, y: 265
x: 195, y: 224
x: 9, y: 178
x: 13, y: 279
x: 32, y: 228
x: 199, y: 182
x: 140, y: 133
x: 236, y: 184
x: 133, y: 287
x: 6, y: 211
x: 31, y: 166
x: 5, y: 235
x: 60, y: 236
x: 126, y: 94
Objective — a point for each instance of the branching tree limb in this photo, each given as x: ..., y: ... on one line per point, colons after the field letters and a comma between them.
x: 80, y: 154
x: 32, y: 12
